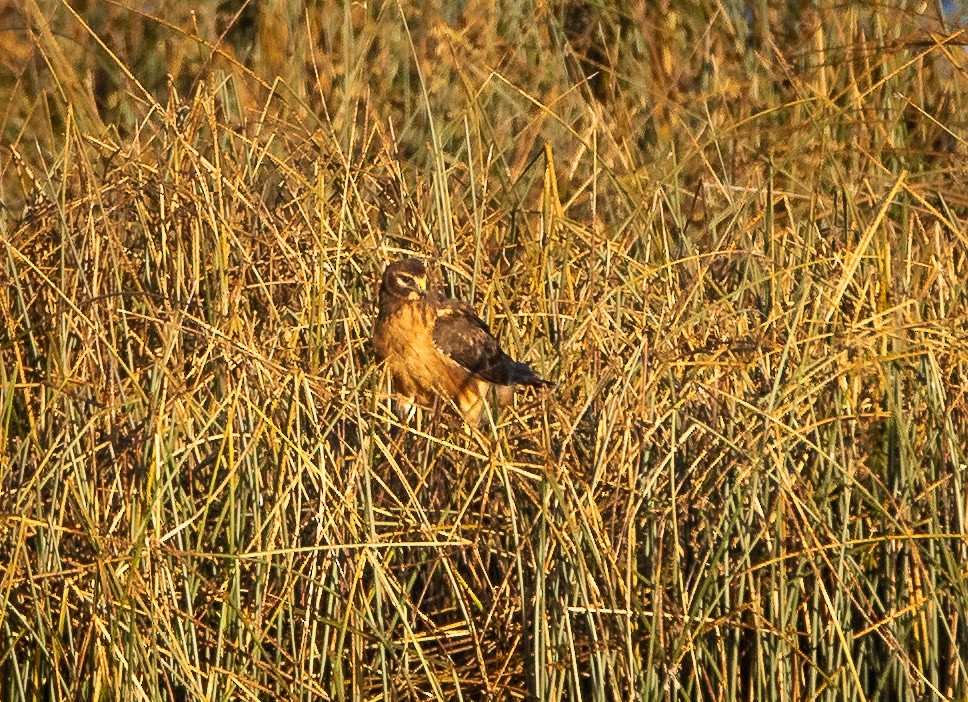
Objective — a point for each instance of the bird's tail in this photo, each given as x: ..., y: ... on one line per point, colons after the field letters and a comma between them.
x: 521, y: 374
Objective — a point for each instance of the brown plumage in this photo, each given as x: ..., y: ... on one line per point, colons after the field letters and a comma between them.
x: 438, y: 347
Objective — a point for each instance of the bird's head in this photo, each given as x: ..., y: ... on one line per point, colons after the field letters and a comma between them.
x: 406, y: 279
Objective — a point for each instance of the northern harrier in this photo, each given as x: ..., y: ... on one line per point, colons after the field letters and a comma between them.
x: 438, y: 347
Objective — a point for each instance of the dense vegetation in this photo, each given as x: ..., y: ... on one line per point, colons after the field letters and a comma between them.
x: 733, y: 234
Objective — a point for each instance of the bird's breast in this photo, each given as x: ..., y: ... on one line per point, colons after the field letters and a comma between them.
x: 403, y: 337
x: 403, y: 325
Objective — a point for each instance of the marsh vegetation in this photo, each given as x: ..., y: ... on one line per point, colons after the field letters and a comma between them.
x: 733, y: 235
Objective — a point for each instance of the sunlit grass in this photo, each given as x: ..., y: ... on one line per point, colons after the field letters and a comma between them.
x: 739, y: 251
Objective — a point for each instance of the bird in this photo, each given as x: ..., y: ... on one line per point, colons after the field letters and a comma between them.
x: 438, y: 347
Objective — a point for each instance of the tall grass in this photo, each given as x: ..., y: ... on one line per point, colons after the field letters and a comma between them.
x: 738, y: 248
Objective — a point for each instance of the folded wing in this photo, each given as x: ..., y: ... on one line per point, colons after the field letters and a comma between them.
x: 466, y: 339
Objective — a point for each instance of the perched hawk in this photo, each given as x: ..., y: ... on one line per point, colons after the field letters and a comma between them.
x: 438, y: 347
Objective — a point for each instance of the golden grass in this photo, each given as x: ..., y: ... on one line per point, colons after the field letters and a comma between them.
x: 739, y: 251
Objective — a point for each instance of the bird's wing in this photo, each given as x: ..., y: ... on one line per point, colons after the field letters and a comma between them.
x: 465, y: 338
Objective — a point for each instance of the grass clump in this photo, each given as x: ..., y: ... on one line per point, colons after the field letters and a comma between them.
x: 734, y: 238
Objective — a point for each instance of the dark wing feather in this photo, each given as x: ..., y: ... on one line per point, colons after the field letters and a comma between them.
x: 464, y: 337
